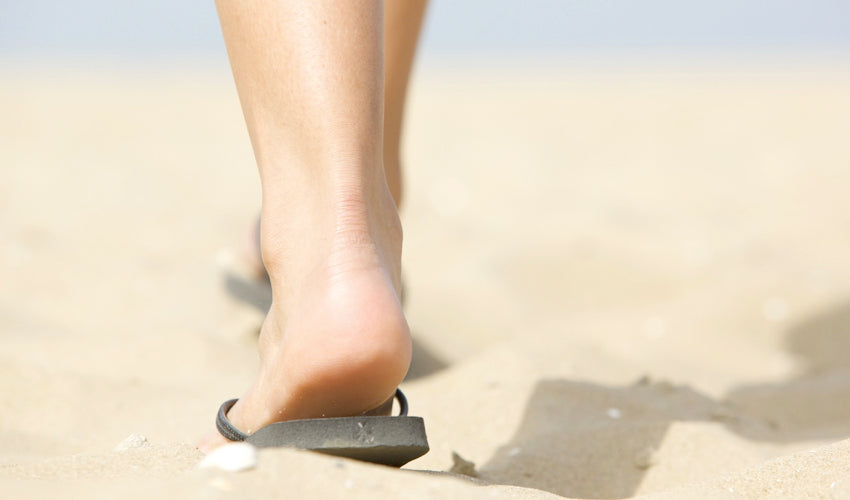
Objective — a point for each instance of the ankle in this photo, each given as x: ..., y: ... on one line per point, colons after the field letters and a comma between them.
x: 340, y: 229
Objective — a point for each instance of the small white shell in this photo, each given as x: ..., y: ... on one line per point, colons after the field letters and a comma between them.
x: 132, y: 441
x: 614, y: 413
x: 232, y: 457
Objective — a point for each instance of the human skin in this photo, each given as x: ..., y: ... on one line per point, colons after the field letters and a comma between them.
x: 403, y: 23
x: 402, y: 27
x: 310, y: 78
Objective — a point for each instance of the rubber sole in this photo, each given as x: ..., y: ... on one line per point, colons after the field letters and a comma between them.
x: 392, y: 441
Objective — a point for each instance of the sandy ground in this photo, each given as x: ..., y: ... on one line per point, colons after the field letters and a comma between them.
x: 622, y: 283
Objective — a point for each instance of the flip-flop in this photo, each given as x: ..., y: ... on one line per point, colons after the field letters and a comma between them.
x: 383, y: 440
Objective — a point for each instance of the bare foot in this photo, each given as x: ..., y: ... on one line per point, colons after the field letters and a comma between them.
x: 335, y: 342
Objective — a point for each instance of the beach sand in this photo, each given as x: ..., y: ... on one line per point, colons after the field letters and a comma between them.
x: 622, y: 283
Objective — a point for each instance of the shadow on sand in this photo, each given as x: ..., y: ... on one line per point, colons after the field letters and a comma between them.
x: 559, y: 447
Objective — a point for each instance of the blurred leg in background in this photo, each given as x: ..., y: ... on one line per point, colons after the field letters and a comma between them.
x: 403, y: 22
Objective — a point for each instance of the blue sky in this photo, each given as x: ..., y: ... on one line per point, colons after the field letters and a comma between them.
x: 176, y: 28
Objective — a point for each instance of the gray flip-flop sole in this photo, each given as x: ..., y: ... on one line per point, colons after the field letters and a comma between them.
x: 392, y: 441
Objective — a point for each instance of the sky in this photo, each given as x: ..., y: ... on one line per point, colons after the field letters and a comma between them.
x: 454, y: 28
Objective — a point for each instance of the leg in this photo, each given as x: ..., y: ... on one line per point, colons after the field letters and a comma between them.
x: 402, y: 24
x: 403, y: 21
x: 310, y: 79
